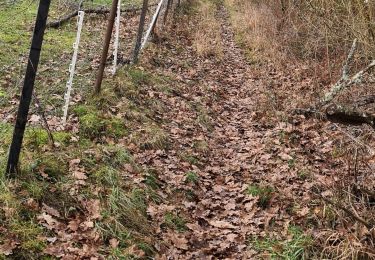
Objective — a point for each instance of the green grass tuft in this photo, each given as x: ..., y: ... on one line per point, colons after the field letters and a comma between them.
x: 264, y: 193
x: 191, y: 177
x: 175, y: 221
x: 294, y: 248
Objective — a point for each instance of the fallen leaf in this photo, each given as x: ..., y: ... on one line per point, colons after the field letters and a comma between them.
x: 221, y: 224
x: 8, y: 246
x: 114, y: 242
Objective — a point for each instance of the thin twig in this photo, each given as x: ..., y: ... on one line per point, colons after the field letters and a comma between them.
x: 354, y: 139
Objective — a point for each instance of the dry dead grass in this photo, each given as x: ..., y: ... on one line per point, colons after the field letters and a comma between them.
x: 318, y: 30
x: 207, y: 37
x: 255, y: 29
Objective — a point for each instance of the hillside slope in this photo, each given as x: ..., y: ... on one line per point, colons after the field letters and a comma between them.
x: 193, y: 153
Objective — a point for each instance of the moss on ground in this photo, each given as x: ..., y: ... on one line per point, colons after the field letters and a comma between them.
x: 94, y: 124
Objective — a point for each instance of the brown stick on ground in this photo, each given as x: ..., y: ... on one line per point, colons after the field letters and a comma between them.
x: 101, y: 10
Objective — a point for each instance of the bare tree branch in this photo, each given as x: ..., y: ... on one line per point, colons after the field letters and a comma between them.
x: 345, y: 80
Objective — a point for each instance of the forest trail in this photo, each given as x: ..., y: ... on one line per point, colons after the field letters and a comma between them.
x: 201, y: 150
x: 221, y: 217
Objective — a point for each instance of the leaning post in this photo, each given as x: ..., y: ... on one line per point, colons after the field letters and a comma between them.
x: 107, y: 40
x: 28, y: 87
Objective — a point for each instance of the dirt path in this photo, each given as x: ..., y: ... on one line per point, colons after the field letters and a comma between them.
x: 220, y: 217
x: 240, y: 171
x: 223, y: 210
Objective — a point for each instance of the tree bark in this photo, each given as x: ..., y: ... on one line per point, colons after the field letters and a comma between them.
x: 141, y: 26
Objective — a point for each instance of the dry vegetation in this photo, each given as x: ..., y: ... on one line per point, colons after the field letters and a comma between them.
x: 318, y: 30
x: 207, y: 39
x: 146, y: 159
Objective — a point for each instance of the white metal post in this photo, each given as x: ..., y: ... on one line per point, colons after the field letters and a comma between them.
x: 154, y: 18
x: 72, y: 66
x: 117, y: 35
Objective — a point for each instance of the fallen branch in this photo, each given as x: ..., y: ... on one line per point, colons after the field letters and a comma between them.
x: 365, y: 101
x: 101, y: 10
x: 342, y: 115
x: 338, y: 114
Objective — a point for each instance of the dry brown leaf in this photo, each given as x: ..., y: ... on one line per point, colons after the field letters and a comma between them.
x: 79, y: 175
x: 221, y: 224
x: 8, y: 246
x: 73, y: 225
x: 114, y: 242
x: 93, y: 207
x: 50, y: 210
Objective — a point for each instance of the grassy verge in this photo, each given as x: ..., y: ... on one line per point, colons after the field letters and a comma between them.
x: 83, y: 188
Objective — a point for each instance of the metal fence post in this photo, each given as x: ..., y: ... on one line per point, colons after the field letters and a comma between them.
x: 28, y: 87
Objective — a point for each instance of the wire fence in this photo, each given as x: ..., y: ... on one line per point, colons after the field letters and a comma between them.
x: 59, y: 63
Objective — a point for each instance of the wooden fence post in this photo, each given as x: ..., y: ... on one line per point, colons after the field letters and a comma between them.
x: 107, y: 41
x: 28, y: 87
x: 140, y: 32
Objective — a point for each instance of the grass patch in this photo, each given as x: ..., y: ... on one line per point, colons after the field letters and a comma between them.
x: 191, y: 177
x: 151, y: 137
x: 190, y: 195
x: 294, y: 248
x: 174, y: 221
x: 125, y: 213
x: 93, y: 124
x: 201, y: 147
x: 207, y: 38
x: 264, y: 193
x: 51, y: 164
x: 304, y: 174
x: 203, y: 118
x: 190, y: 158
x: 152, y: 181
x: 19, y: 222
